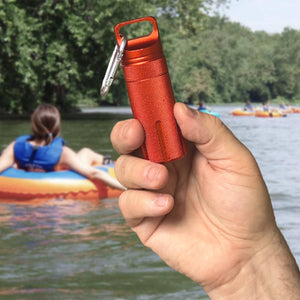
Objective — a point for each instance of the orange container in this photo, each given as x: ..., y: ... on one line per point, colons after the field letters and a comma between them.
x: 150, y: 93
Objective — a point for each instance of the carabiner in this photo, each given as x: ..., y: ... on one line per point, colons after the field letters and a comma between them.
x: 113, y: 66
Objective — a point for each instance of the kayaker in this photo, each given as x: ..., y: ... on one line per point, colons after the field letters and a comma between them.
x: 282, y: 105
x: 45, y: 151
x: 248, y: 106
x: 202, y: 106
x: 266, y: 106
x: 208, y: 215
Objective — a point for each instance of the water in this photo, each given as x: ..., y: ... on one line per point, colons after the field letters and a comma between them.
x: 65, y: 249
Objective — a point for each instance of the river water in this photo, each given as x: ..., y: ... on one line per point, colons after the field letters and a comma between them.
x: 65, y: 249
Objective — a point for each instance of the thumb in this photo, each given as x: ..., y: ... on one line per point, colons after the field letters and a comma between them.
x: 209, y: 134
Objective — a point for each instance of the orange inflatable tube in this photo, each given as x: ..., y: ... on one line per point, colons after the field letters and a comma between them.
x: 268, y: 114
x: 296, y: 110
x: 18, y: 184
x: 240, y: 112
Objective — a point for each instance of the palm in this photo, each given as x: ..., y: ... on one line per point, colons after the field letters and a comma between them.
x: 221, y: 206
x: 207, y: 197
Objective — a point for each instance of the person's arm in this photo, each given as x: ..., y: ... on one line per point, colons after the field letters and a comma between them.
x: 209, y: 215
x: 7, y: 158
x: 71, y: 159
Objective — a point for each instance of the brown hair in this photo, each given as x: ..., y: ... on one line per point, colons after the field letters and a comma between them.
x: 45, y: 122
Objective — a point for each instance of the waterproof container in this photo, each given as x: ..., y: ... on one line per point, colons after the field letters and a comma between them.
x: 150, y: 93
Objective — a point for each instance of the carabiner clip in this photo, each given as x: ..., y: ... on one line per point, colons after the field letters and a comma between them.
x: 113, y: 66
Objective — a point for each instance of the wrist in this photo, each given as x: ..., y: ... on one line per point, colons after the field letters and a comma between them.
x: 270, y: 273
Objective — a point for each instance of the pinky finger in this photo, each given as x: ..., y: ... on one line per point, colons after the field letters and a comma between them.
x: 136, y: 205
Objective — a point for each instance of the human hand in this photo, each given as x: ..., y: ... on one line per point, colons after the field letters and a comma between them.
x: 208, y: 215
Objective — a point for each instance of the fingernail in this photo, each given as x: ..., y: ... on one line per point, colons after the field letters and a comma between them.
x: 161, y: 200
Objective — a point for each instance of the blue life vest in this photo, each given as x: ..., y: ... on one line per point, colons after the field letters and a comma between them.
x: 203, y: 108
x: 37, y: 158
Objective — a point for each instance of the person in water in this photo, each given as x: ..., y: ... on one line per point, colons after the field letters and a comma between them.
x: 208, y: 215
x: 282, y: 106
x: 202, y: 106
x: 248, y: 106
x: 266, y: 106
x: 46, y: 151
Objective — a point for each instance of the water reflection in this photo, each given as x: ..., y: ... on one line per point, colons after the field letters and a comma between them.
x: 72, y: 248
x: 71, y: 218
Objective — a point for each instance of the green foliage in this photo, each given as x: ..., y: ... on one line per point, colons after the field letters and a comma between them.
x: 287, y: 63
x: 226, y: 62
x: 58, y: 51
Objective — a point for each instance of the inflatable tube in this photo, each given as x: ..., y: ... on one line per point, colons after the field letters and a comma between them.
x: 286, y: 111
x: 296, y: 110
x: 16, y: 184
x: 240, y: 112
x: 210, y: 112
x: 269, y: 114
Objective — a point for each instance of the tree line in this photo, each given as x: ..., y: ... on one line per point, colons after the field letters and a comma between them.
x: 230, y: 63
x: 57, y: 52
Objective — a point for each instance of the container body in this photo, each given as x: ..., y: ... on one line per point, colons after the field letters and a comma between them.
x: 151, y: 95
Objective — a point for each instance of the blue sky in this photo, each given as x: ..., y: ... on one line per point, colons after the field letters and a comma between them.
x: 268, y: 15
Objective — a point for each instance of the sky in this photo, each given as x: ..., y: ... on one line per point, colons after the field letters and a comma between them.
x: 271, y: 16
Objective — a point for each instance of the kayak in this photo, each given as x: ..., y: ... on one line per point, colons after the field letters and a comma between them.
x: 269, y: 114
x: 16, y: 184
x: 240, y: 112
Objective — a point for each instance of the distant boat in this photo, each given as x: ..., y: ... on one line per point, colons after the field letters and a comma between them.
x: 214, y: 113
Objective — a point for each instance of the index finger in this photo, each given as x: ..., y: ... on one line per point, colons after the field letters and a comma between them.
x: 127, y: 136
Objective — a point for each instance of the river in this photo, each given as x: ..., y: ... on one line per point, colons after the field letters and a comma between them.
x: 65, y: 249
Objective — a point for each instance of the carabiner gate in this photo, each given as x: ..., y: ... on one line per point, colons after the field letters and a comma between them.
x: 113, y: 66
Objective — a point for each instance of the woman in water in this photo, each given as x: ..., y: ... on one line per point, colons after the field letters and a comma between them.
x: 45, y: 151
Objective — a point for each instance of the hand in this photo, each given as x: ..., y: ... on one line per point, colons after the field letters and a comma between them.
x: 208, y: 215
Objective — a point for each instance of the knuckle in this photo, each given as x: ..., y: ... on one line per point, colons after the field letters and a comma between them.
x: 120, y: 167
x: 116, y: 135
x: 123, y: 202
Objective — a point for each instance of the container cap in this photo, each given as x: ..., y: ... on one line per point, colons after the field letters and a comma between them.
x: 141, y: 49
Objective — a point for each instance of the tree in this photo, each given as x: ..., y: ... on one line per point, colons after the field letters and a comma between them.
x: 287, y: 64
x: 57, y: 51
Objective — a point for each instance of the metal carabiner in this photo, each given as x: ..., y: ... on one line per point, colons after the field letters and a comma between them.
x: 113, y: 66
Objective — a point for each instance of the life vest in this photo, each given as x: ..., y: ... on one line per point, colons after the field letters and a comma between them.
x: 37, y: 158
